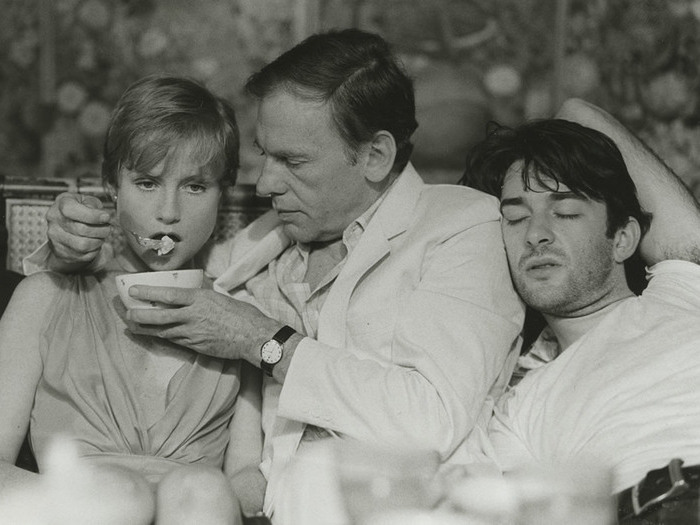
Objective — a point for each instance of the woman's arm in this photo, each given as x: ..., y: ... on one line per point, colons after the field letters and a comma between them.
x: 244, y: 451
x: 20, y: 368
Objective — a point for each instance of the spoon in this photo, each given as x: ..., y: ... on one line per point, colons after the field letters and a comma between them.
x: 162, y: 246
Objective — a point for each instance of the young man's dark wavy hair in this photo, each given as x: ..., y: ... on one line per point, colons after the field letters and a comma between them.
x: 554, y: 152
x: 358, y: 75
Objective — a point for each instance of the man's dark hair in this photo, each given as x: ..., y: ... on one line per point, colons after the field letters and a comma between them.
x: 553, y: 152
x: 156, y: 114
x: 358, y: 75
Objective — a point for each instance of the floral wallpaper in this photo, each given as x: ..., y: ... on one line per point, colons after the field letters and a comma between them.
x: 53, y: 115
x: 63, y: 64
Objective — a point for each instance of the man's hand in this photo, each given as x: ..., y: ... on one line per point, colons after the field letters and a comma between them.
x: 77, y: 228
x: 205, y: 321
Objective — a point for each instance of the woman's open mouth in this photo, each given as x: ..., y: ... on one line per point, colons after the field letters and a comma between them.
x: 162, y: 243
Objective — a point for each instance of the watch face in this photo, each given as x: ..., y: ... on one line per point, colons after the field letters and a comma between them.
x: 271, y: 352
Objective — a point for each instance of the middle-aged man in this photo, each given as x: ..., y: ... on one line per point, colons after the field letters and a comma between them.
x: 386, y: 312
x: 619, y: 383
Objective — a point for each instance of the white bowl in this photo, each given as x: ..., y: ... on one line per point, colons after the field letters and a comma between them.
x: 174, y: 278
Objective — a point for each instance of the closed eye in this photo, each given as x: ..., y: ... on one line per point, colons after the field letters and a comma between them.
x: 514, y: 214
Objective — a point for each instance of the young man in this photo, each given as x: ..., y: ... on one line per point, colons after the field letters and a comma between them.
x: 619, y: 372
x: 404, y: 323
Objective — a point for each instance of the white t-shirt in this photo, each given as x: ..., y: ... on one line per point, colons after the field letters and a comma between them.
x: 626, y: 394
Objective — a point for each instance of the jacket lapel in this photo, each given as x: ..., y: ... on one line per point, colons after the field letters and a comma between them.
x: 251, y: 250
x: 391, y: 219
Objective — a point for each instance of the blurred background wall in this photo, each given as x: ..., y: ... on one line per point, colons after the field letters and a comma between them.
x: 63, y: 64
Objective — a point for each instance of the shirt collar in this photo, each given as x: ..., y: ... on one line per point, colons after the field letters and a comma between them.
x: 351, y: 234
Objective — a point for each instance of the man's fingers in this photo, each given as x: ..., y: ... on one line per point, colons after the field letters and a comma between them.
x: 155, y: 317
x: 90, y: 201
x: 164, y: 332
x: 85, y: 212
x: 163, y: 294
x: 65, y: 243
x: 83, y: 230
x: 68, y: 230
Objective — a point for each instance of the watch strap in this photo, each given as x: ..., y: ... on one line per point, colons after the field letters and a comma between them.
x: 281, y: 336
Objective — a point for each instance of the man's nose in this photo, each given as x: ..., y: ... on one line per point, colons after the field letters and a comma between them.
x: 169, y: 208
x: 539, y: 231
x: 271, y: 179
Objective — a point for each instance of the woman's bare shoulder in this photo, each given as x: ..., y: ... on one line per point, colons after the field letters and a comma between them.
x: 37, y: 292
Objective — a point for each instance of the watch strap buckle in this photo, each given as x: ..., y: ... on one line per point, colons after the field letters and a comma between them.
x: 645, y: 494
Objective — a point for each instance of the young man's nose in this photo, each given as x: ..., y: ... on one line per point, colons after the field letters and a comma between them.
x: 539, y: 231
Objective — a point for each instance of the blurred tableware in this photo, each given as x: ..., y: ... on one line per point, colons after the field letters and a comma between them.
x: 484, y: 499
x: 377, y: 480
x: 419, y: 517
x: 573, y: 493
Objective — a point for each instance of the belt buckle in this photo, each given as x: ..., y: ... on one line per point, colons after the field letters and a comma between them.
x: 670, y: 476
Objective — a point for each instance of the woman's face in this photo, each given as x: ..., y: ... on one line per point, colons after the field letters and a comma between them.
x: 177, y: 198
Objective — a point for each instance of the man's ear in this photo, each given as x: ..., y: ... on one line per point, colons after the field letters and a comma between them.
x: 626, y: 240
x: 381, y: 155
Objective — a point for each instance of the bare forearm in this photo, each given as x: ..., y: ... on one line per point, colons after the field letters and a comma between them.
x: 249, y: 487
x: 675, y: 227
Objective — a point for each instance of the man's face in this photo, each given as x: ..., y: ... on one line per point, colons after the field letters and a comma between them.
x: 315, y: 189
x: 559, y: 255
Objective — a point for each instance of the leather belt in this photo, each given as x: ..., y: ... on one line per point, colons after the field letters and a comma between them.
x: 671, y: 482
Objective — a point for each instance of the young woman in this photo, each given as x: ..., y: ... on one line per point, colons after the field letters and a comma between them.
x: 137, y: 406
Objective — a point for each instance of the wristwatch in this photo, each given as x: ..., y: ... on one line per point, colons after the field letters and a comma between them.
x: 271, y: 351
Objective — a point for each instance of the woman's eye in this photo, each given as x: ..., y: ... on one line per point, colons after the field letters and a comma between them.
x: 145, y: 184
x: 196, y: 188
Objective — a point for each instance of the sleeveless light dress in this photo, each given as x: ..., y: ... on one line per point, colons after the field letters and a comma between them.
x: 89, y: 389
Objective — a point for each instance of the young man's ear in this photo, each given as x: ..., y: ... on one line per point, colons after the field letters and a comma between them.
x: 626, y: 240
x: 381, y: 155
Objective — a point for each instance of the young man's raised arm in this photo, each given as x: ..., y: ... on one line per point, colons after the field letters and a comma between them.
x: 675, y: 226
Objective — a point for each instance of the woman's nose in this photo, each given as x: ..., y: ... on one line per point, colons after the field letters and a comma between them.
x: 169, y: 208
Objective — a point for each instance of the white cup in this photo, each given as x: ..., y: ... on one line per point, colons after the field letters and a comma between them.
x: 173, y: 278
